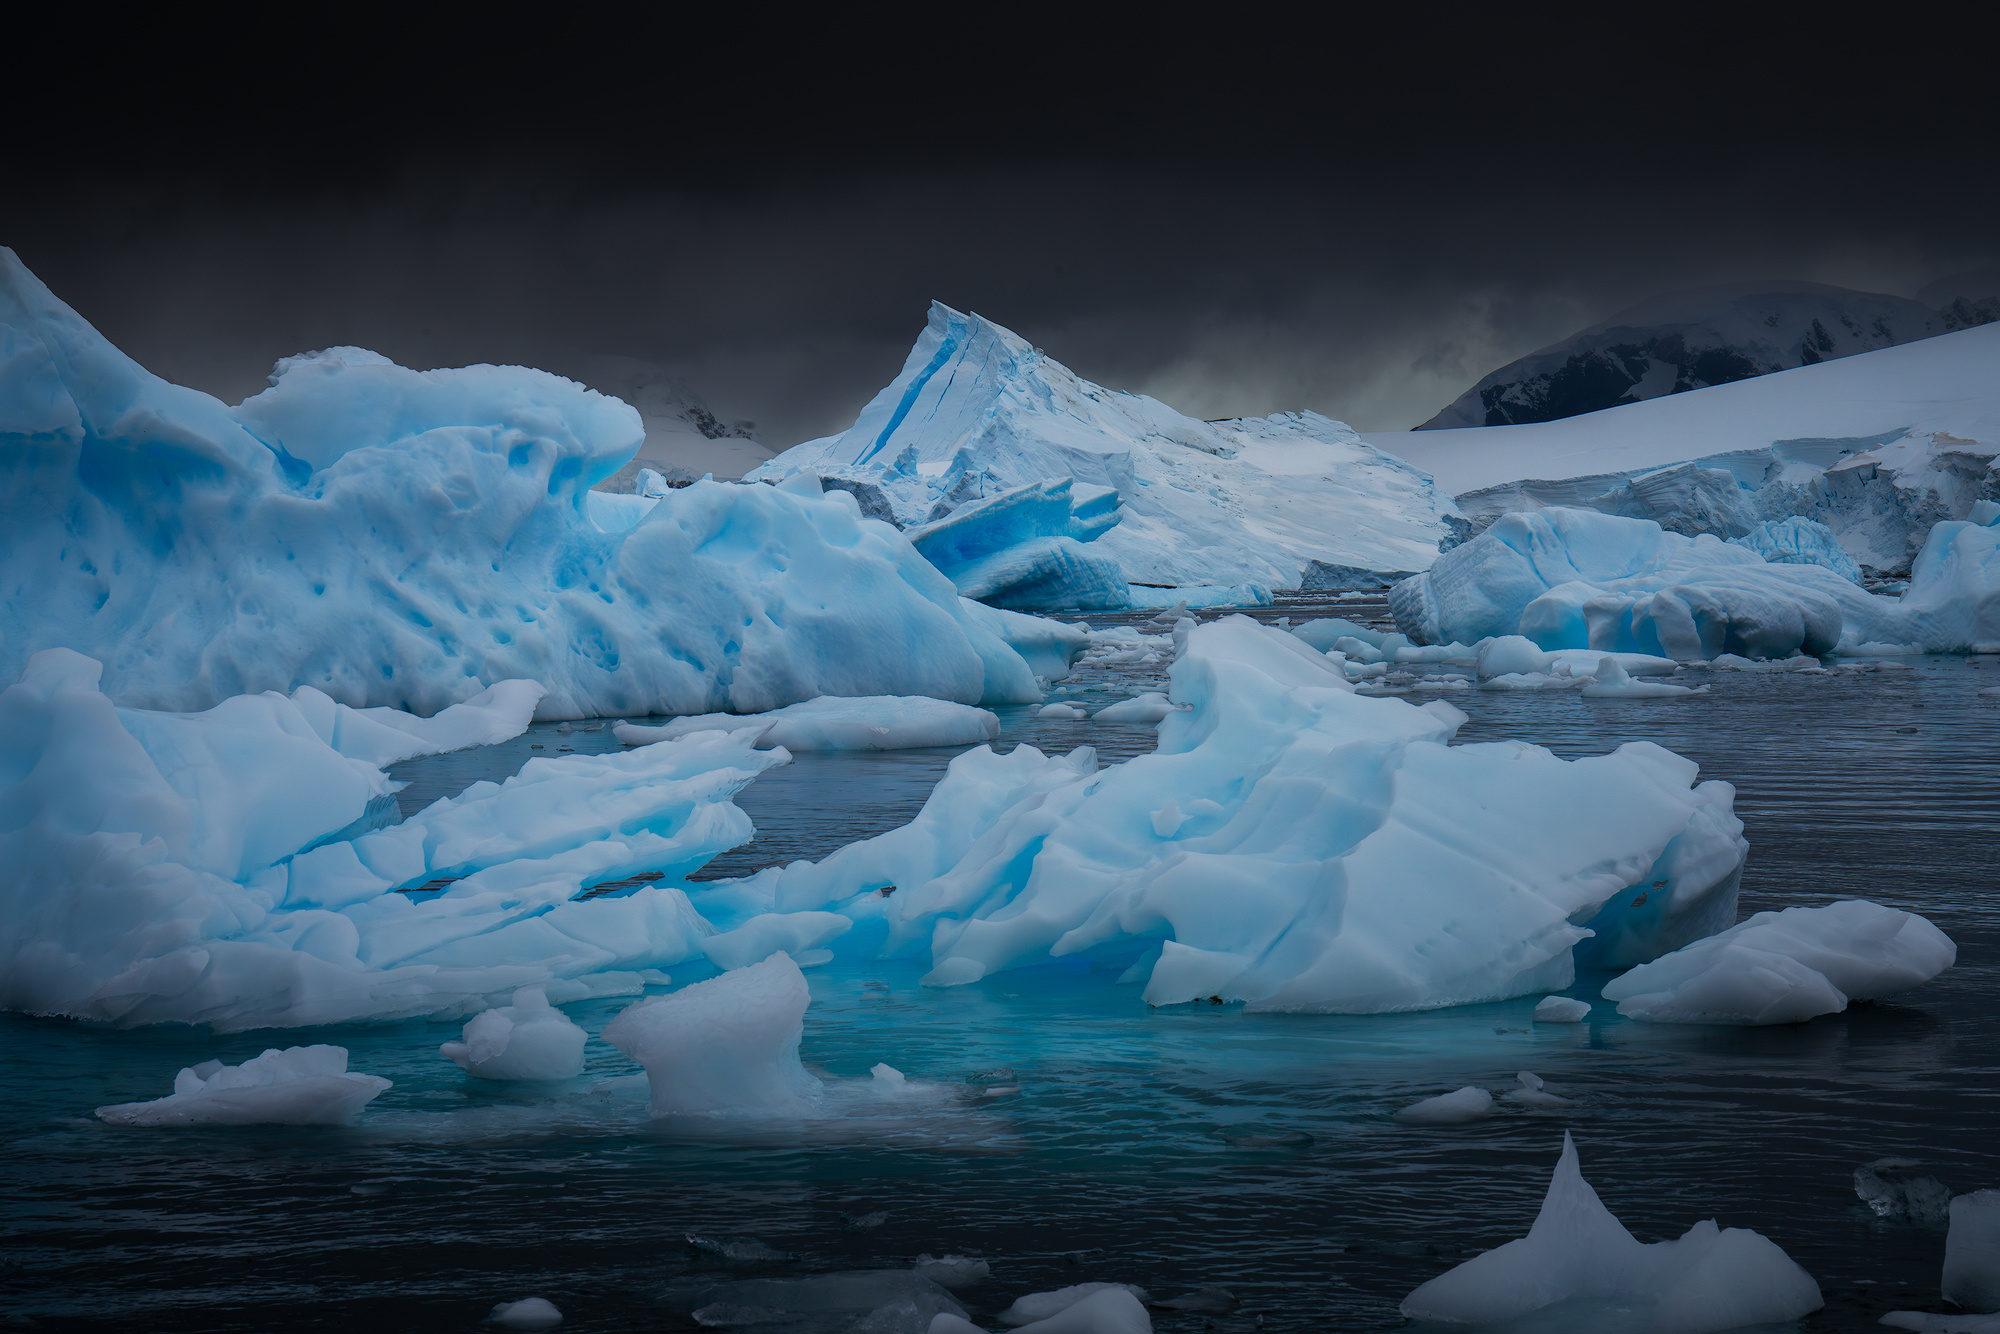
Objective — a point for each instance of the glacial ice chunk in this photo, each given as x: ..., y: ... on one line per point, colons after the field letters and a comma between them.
x: 1040, y: 1306
x: 528, y: 1313
x: 796, y: 934
x: 1892, y: 1188
x: 1799, y: 541
x: 727, y: 1045
x: 298, y: 1086
x: 952, y: 1271
x: 1610, y: 681
x: 1972, y: 1252
x: 1561, y: 1010
x: 1113, y: 1309
x: 1470, y: 1103
x: 529, y: 1039
x: 1023, y: 549
x: 1583, y: 1271
x: 1147, y: 708
x: 878, y: 722
x: 1786, y: 967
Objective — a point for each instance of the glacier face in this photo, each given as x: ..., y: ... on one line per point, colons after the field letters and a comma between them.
x: 1878, y: 447
x: 977, y: 411
x: 407, y: 538
x: 1691, y: 340
x: 1291, y: 844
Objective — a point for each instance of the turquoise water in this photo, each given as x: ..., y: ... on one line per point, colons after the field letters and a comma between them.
x: 1173, y: 1148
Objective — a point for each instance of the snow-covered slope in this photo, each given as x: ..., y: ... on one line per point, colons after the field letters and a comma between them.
x: 1878, y: 447
x: 977, y: 411
x: 405, y: 538
x: 1692, y: 340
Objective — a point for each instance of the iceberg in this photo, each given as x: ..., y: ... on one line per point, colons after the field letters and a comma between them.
x: 730, y: 1044
x: 1576, y: 579
x: 1023, y: 549
x: 530, y: 1039
x: 1879, y: 448
x: 977, y: 412
x: 298, y: 1086
x: 1578, y: 1269
x: 1798, y: 541
x: 879, y: 722
x: 406, y: 539
x: 1294, y: 845
x: 1787, y: 967
x: 235, y: 868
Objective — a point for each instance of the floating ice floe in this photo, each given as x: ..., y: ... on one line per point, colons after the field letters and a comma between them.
x: 231, y: 868
x: 1533, y: 1092
x: 299, y: 1086
x: 529, y: 1039
x: 1147, y: 708
x: 1579, y: 1270
x: 1294, y: 845
x: 528, y: 1313
x: 1786, y: 967
x: 403, y: 538
x: 1561, y: 1010
x: 1093, y: 1308
x: 880, y: 722
x: 977, y: 412
x: 1574, y: 579
x: 1470, y: 1103
x: 730, y: 1044
x: 1610, y: 681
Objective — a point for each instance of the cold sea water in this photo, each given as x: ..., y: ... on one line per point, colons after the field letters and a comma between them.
x: 1085, y: 1136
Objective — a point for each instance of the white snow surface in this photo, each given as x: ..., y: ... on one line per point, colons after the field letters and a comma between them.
x: 1574, y: 579
x: 1786, y: 967
x: 1579, y: 1270
x: 227, y: 867
x: 298, y: 1086
x: 404, y: 538
x: 978, y: 411
x: 727, y: 1045
x: 529, y: 1039
x: 1878, y: 446
x: 1294, y: 845
x: 878, y: 722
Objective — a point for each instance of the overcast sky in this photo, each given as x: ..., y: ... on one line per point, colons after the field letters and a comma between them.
x: 1235, y: 223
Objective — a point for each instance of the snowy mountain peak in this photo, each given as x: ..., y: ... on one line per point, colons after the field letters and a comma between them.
x: 1693, y: 340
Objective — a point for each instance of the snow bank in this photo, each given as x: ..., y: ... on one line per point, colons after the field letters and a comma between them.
x: 1580, y: 1267
x: 230, y: 867
x: 1023, y: 549
x: 977, y: 412
x: 529, y: 1039
x: 299, y: 1086
x: 1294, y: 845
x: 404, y: 538
x: 1786, y: 967
x: 1572, y: 579
x: 1879, y: 448
x: 879, y: 722
x: 730, y: 1044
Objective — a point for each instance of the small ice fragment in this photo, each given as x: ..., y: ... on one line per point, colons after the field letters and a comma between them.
x: 528, y: 1313
x: 1561, y: 1010
x: 1095, y: 1306
x: 953, y: 1271
x: 1532, y: 1094
x: 730, y: 1044
x: 1612, y: 681
x: 1972, y: 1252
x: 1209, y: 1300
x: 1147, y: 708
x: 738, y: 1250
x: 1069, y: 711
x: 863, y: 1222
x: 529, y: 1039
x: 1893, y: 1189
x: 299, y: 1086
x: 1449, y: 1109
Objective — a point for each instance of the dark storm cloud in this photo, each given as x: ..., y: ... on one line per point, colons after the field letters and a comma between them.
x: 1235, y: 236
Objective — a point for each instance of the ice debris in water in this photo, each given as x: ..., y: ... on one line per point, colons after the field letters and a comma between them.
x: 1612, y: 682
x: 1072, y: 712
x: 953, y: 1271
x: 529, y: 1039
x: 1035, y: 1308
x: 232, y: 867
x: 299, y: 1086
x: 1892, y: 1188
x: 401, y: 537
x: 1786, y: 967
x: 528, y: 1313
x: 1147, y: 708
x: 746, y: 1252
x: 1300, y: 847
x: 1561, y: 1010
x: 865, y: 1301
x: 1211, y: 1300
x: 1972, y: 1252
x: 1449, y: 1109
x: 730, y: 1044
x: 798, y: 934
x: 878, y: 722
x: 1579, y: 1256
x: 1532, y: 1093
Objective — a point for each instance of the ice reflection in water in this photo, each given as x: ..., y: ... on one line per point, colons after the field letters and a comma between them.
x: 1172, y: 1148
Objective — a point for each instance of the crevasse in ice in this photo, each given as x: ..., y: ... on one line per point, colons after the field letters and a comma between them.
x: 404, y: 538
x: 1573, y: 579
x: 977, y: 411
x: 228, y: 867
x: 1294, y: 845
x: 1579, y: 1270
